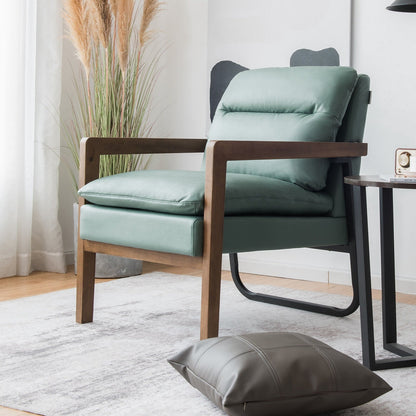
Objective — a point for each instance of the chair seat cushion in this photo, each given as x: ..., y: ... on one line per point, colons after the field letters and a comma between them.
x: 182, y: 192
x: 184, y: 234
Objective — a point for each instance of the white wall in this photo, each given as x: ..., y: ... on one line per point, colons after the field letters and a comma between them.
x: 383, y: 47
x: 180, y: 100
x: 267, y: 32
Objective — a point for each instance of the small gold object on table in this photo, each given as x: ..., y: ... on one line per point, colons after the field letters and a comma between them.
x: 405, y: 165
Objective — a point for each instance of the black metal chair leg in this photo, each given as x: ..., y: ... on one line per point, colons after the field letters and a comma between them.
x: 298, y: 304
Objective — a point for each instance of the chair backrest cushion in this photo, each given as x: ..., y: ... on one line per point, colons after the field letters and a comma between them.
x: 352, y: 130
x: 285, y: 104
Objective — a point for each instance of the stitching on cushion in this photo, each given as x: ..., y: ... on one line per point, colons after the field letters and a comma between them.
x: 85, y: 194
x: 227, y: 110
x: 281, y: 398
x: 293, y: 345
x: 326, y: 358
x: 314, y: 112
x: 321, y: 393
x: 167, y: 201
x: 115, y: 197
x: 211, y: 346
x: 231, y: 359
x: 331, y: 364
x: 274, y: 374
x: 201, y: 379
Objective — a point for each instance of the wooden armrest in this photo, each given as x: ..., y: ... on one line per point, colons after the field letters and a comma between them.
x: 221, y: 151
x: 226, y: 150
x: 91, y: 148
x: 118, y: 146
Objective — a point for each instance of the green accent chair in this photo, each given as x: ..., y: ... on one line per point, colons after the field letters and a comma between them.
x: 281, y: 141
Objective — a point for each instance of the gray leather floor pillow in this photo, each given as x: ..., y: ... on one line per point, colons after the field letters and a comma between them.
x: 276, y: 374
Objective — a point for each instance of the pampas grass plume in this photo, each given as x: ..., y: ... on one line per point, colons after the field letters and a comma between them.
x: 150, y: 10
x: 114, y: 99
x: 113, y: 4
x: 124, y: 18
x: 77, y: 21
x: 100, y: 20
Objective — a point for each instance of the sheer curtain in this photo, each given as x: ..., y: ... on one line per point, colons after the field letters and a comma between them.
x: 30, y: 88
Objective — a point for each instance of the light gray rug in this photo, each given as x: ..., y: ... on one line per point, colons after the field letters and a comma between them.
x: 117, y: 365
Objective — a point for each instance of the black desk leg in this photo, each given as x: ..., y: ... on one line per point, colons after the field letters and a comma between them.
x: 364, y: 275
x: 388, y: 280
x: 387, y: 267
x: 406, y: 356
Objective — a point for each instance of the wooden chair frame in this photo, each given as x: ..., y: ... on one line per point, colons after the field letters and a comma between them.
x: 218, y: 153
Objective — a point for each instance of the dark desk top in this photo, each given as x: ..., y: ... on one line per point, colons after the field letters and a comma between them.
x: 378, y: 182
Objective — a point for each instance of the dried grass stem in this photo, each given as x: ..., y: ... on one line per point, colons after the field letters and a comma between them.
x: 77, y: 21
x: 150, y: 10
x: 100, y: 20
x: 114, y: 98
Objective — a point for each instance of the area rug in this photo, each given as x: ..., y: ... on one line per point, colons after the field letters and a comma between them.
x: 117, y: 365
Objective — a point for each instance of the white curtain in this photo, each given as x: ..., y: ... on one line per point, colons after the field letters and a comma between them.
x: 30, y: 87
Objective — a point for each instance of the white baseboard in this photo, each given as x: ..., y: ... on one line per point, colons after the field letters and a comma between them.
x: 69, y: 257
x: 277, y: 268
x: 268, y: 267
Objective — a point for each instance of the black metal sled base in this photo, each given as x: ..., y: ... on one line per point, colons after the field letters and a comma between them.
x: 293, y: 303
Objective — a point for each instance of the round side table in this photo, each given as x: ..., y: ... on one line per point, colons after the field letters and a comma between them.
x: 406, y: 356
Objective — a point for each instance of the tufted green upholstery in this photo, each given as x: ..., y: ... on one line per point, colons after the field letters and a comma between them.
x: 182, y: 192
x: 269, y: 204
x: 285, y: 104
x: 351, y: 130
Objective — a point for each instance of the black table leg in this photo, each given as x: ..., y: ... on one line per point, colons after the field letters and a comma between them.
x: 407, y: 356
x: 364, y: 275
x: 388, y: 281
x: 387, y: 267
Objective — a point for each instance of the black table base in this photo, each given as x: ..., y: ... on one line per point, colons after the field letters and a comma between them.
x: 406, y: 357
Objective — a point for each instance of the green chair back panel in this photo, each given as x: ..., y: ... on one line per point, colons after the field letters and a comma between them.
x: 353, y: 123
x: 287, y: 104
x: 351, y: 130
